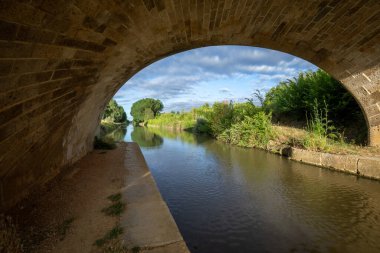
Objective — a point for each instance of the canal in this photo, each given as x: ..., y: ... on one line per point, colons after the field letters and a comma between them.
x: 230, y: 199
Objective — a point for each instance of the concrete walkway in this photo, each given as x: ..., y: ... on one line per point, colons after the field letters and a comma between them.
x: 147, y: 221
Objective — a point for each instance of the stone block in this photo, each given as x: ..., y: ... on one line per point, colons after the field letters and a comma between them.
x: 369, y: 167
x: 30, y: 34
x: 305, y: 156
x: 32, y: 78
x: 347, y: 163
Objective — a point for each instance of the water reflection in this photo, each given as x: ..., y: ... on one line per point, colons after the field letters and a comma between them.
x: 146, y: 138
x: 230, y: 199
x: 113, y: 132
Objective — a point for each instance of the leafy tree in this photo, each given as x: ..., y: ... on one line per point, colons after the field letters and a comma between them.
x: 148, y: 114
x: 114, y: 113
x: 145, y: 109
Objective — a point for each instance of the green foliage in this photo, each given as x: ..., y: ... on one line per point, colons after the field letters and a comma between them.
x: 321, y: 131
x: 241, y: 124
x: 296, y: 97
x: 114, y: 113
x: 115, y: 197
x: 241, y: 110
x: 202, y: 126
x: 253, y: 131
x: 220, y: 117
x: 113, y: 234
x: 145, y: 109
x: 115, y: 209
x: 183, y: 121
x: 148, y: 114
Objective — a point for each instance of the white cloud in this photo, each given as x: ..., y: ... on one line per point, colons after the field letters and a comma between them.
x: 178, y: 79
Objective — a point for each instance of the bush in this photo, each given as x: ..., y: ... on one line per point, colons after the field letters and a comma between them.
x: 202, y: 126
x: 296, y: 97
x: 220, y: 118
x: 255, y: 131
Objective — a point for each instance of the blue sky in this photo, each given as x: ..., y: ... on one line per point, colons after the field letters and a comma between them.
x: 210, y: 74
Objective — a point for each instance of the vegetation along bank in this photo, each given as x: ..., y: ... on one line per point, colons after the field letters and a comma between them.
x: 311, y: 113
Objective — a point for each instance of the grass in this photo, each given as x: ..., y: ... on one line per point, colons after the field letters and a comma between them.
x: 64, y: 227
x: 180, y: 121
x: 294, y: 137
x: 116, y: 208
x: 115, y: 197
x: 112, y: 234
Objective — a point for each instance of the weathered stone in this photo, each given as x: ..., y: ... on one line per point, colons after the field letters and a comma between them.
x: 347, y: 163
x: 369, y: 167
x: 91, y: 47
x: 306, y: 156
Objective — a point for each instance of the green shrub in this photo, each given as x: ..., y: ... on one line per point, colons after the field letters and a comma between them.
x: 296, y: 97
x: 202, y: 126
x: 220, y: 118
x: 255, y: 131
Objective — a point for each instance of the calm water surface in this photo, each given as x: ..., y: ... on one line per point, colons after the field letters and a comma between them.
x: 230, y: 199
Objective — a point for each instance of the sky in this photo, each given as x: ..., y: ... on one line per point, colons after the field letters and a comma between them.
x: 210, y: 74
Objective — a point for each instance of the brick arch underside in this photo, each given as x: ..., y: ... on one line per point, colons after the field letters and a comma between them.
x: 61, y: 62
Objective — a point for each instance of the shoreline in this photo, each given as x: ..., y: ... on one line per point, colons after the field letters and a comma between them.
x: 354, y: 164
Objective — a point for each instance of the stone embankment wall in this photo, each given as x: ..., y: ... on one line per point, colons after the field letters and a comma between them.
x: 360, y: 165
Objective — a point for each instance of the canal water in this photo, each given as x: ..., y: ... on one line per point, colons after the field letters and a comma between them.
x: 230, y: 199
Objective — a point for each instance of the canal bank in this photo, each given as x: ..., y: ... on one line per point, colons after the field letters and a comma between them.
x: 148, y: 222
x: 106, y: 202
x: 357, y: 164
x: 364, y: 166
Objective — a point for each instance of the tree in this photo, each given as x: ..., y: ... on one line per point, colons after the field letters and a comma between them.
x: 146, y: 108
x: 114, y: 113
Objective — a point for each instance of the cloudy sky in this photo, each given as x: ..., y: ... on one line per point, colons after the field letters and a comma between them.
x: 210, y: 74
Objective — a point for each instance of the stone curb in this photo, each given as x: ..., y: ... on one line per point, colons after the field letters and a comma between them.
x: 359, y: 165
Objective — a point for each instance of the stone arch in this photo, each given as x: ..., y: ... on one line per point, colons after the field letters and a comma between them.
x: 62, y: 60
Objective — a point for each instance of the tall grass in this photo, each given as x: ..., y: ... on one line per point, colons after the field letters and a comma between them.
x: 321, y: 131
x: 181, y: 121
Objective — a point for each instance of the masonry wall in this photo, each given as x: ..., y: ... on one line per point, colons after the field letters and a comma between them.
x: 62, y: 60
